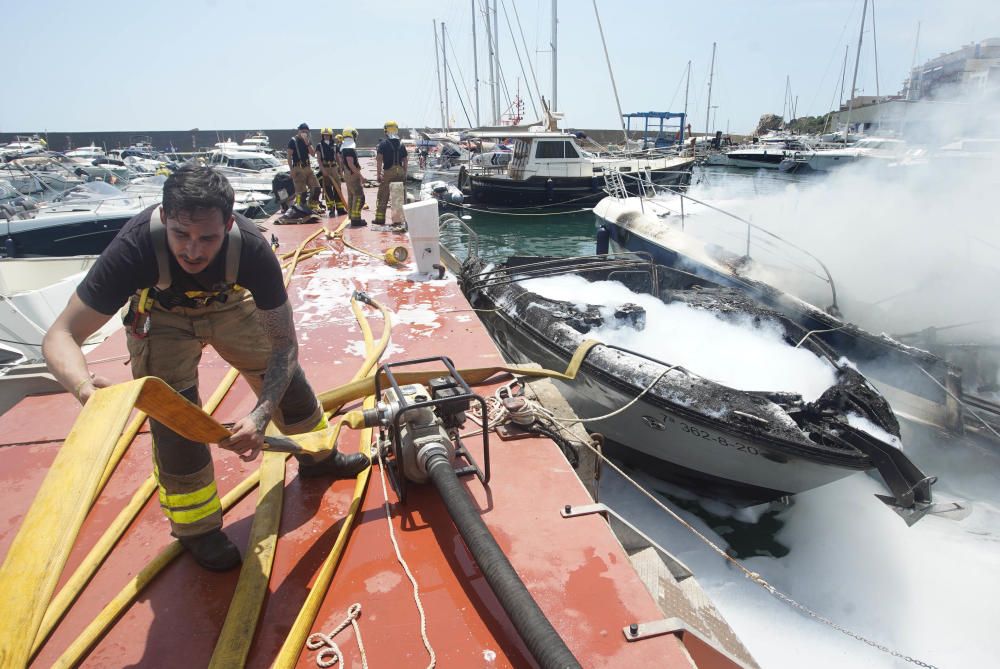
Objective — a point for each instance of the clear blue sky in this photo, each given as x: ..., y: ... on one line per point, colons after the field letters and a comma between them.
x: 229, y: 64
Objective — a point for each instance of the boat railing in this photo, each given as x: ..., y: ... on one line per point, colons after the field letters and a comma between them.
x: 472, y: 246
x: 612, y: 263
x: 823, y: 274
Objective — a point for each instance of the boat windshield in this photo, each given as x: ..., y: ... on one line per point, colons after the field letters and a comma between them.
x: 255, y: 164
x: 91, y: 191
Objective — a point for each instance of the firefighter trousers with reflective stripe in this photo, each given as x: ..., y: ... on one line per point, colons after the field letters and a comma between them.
x: 391, y: 175
x: 355, y: 195
x: 172, y: 351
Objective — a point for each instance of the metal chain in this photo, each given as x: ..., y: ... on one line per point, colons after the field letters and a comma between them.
x: 752, y: 575
x: 330, y: 653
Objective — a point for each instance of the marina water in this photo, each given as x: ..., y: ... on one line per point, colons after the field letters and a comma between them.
x: 930, y: 591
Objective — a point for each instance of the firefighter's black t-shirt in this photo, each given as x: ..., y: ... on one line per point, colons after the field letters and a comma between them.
x: 128, y: 265
x: 392, y: 151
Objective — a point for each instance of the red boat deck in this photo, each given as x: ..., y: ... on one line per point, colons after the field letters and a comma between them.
x: 575, y: 568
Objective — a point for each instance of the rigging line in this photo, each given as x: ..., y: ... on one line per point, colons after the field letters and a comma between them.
x: 458, y: 94
x: 524, y: 43
x: 833, y: 55
x: 503, y: 83
x: 461, y: 75
x: 614, y: 86
x: 678, y: 89
x: 517, y: 52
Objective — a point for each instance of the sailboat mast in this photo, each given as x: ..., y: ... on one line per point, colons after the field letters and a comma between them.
x: 854, y: 79
x: 687, y: 88
x: 437, y: 68
x: 843, y: 79
x: 875, y: 46
x: 493, y: 81
x: 444, y: 60
x: 555, y: 60
x: 913, y: 65
x: 475, y: 61
x: 496, y: 61
x: 708, y: 106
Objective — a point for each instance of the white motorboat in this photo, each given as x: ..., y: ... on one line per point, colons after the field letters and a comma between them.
x: 247, y: 170
x: 766, y: 154
x: 55, y: 172
x: 87, y: 153
x: 151, y: 190
x: 82, y: 221
x: 33, y: 291
x: 23, y: 146
x: 870, y: 148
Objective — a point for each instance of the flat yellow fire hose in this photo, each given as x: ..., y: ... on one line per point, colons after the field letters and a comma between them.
x: 291, y: 649
x: 98, y: 554
x: 26, y: 586
x: 473, y: 376
x: 73, y: 655
x: 237, y: 634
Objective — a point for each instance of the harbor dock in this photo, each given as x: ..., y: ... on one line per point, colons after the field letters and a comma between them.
x: 574, y: 567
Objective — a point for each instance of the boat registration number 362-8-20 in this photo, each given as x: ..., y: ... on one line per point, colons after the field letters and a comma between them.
x: 694, y: 430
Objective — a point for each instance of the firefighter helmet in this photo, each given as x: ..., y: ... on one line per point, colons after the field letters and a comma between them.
x: 390, y: 124
x: 350, y: 132
x: 326, y: 131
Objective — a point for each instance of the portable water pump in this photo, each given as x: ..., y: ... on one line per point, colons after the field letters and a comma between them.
x: 419, y: 440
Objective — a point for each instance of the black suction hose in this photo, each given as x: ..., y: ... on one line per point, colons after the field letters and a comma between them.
x: 544, y: 643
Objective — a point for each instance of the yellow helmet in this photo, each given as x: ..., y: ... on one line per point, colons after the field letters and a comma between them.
x: 350, y: 132
x: 339, y: 137
x: 390, y: 124
x: 326, y: 131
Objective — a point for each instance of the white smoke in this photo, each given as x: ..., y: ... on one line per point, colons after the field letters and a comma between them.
x: 910, y: 243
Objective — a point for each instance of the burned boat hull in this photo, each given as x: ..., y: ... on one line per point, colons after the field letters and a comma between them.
x: 666, y: 442
x: 744, y: 445
x: 916, y: 383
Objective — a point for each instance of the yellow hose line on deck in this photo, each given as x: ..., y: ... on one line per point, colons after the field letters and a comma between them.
x: 73, y: 655
x: 39, y: 551
x: 79, y: 579
x: 237, y: 634
x: 473, y: 376
x: 291, y: 649
x: 99, y: 553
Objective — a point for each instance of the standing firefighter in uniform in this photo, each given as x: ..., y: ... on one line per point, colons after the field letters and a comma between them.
x: 326, y: 153
x: 352, y: 175
x: 194, y: 274
x: 390, y: 164
x: 306, y: 184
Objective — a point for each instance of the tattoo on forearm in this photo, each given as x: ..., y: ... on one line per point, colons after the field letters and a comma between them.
x: 280, y: 329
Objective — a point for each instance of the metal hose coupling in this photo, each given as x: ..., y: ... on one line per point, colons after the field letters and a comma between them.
x: 430, y: 449
x: 362, y: 296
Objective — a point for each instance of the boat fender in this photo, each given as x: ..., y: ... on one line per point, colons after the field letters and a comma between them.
x: 603, y: 240
x: 9, y: 247
x: 550, y: 188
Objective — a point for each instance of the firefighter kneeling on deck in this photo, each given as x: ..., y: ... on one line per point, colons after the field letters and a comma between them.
x: 195, y: 274
x: 390, y: 164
